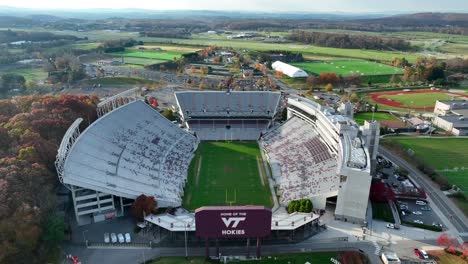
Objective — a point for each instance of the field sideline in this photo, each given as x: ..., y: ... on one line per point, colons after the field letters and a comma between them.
x: 232, y: 167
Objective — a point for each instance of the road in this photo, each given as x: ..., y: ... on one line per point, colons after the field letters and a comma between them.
x: 128, y: 256
x: 447, y: 207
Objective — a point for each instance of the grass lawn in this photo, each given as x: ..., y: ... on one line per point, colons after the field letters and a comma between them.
x: 446, y: 155
x: 361, y: 117
x: 119, y: 80
x: 226, y: 166
x: 382, y: 211
x: 349, y: 67
x: 301, y: 258
x: 33, y: 74
x: 443, y: 257
x: 419, y: 99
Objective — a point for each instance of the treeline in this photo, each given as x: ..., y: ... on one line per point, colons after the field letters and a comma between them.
x: 7, y: 36
x: 118, y: 45
x: 166, y: 34
x: 31, y: 129
x: 457, y: 65
x: 338, y: 40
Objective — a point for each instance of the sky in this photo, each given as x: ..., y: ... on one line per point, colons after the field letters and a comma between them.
x: 352, y: 6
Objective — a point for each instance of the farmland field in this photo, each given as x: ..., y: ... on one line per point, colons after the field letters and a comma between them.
x: 448, y: 156
x: 349, y: 67
x: 221, y: 169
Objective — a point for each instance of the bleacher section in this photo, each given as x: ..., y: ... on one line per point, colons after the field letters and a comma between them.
x: 227, y: 115
x: 306, y: 166
x: 227, y: 104
x: 228, y: 129
x: 130, y: 151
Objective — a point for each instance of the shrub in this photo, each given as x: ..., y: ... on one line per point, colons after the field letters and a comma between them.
x: 302, y: 206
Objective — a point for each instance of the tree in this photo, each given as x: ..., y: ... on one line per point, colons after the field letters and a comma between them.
x: 169, y: 114
x: 12, y: 81
x: 329, y: 87
x: 143, y: 205
x: 54, y: 230
x: 328, y: 78
x: 354, y: 98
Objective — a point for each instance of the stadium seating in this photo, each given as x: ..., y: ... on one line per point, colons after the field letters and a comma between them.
x: 228, y: 116
x: 306, y: 166
x: 130, y: 151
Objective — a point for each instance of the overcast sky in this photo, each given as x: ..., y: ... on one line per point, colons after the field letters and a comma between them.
x: 355, y: 6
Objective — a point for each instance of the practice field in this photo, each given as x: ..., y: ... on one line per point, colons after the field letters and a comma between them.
x: 158, y: 55
x: 448, y: 156
x: 357, y: 67
x: 232, y: 167
x: 421, y: 100
x: 361, y: 117
x: 141, y: 61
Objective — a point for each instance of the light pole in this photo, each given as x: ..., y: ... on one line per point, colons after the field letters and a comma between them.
x: 84, y: 237
x: 185, y: 233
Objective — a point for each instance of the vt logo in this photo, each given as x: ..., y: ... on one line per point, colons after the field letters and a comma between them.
x: 232, y: 220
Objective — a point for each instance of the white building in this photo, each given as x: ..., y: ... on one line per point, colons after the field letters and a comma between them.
x: 288, y: 70
x: 452, y: 116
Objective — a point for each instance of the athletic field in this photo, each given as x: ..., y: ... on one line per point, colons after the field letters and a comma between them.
x: 227, y: 173
x: 361, y: 117
x: 448, y: 156
x: 421, y: 100
x: 356, y: 67
x: 158, y: 55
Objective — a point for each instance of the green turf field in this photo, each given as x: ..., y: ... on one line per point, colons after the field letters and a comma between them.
x: 141, y: 61
x: 301, y: 258
x: 419, y: 99
x: 446, y: 155
x: 361, y: 117
x: 34, y: 74
x: 221, y: 166
x: 350, y: 67
x: 158, y: 55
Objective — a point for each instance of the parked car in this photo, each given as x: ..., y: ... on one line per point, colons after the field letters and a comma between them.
x: 391, y: 226
x: 128, y: 239
x: 121, y: 238
x: 106, y: 238
x: 426, y: 208
x: 420, y: 202
x: 421, y: 253
x: 417, y: 212
x: 403, y: 212
x: 113, y: 238
x: 437, y: 224
x: 418, y: 221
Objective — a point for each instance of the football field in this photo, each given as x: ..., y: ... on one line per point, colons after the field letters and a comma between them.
x: 227, y: 173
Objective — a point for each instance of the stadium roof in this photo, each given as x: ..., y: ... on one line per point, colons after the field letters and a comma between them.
x: 128, y: 152
x: 289, y: 70
x: 234, y: 104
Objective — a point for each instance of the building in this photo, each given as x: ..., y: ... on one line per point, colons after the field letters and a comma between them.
x: 445, y: 107
x: 452, y: 116
x: 129, y: 151
x: 288, y: 70
x: 337, y: 154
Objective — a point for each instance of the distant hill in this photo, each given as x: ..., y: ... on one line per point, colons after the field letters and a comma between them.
x: 427, y: 19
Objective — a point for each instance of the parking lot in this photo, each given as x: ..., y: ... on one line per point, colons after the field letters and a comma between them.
x: 407, y: 193
x: 427, y: 216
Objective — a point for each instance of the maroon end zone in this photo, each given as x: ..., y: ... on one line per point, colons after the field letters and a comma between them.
x: 233, y: 221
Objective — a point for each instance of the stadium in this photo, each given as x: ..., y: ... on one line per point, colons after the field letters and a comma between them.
x: 230, y: 149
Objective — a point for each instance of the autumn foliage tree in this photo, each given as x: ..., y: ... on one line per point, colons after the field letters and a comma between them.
x: 328, y: 78
x: 143, y: 205
x: 31, y: 129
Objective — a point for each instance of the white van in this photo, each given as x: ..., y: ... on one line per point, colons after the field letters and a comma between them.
x: 420, y: 202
